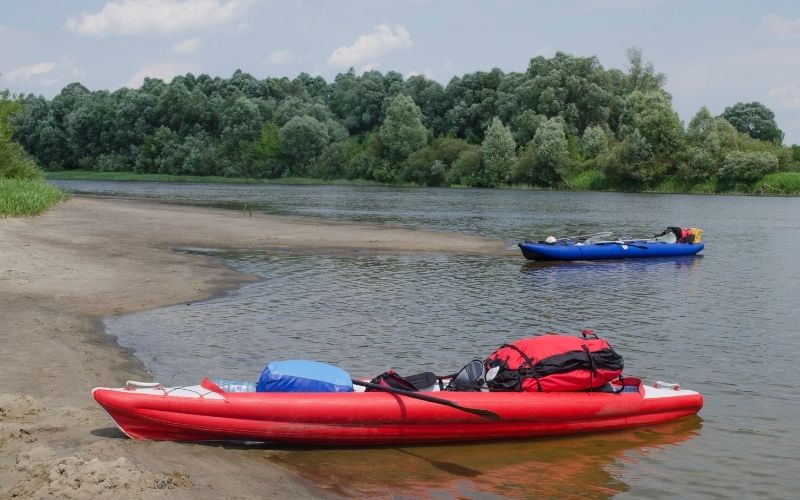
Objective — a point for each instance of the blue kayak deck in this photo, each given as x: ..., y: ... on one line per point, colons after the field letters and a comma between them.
x: 607, y: 250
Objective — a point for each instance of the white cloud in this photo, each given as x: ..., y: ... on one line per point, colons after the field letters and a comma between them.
x: 278, y: 57
x: 133, y: 17
x: 32, y: 71
x: 44, y: 73
x: 164, y: 71
x: 787, y: 95
x: 781, y: 27
x: 186, y: 46
x: 368, y: 48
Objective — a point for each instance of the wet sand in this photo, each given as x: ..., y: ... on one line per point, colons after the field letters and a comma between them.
x: 61, y: 272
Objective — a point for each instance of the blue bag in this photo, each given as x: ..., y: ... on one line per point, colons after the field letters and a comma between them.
x: 300, y: 375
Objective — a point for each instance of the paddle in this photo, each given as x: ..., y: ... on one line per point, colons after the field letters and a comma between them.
x: 584, y: 236
x: 431, y: 399
x: 626, y: 243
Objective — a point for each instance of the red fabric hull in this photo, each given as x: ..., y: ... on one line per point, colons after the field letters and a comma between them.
x: 372, y: 418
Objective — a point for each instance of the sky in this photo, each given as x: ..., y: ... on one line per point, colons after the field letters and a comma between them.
x: 714, y: 53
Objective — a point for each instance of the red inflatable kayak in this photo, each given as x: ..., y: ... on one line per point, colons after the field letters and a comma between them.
x: 206, y: 413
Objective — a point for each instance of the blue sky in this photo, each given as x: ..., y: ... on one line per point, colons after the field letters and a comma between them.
x: 714, y: 52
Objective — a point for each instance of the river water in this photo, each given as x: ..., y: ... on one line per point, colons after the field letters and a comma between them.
x: 724, y: 323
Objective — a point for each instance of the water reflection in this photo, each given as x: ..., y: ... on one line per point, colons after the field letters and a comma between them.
x: 566, y: 467
x: 724, y: 323
x: 616, y: 265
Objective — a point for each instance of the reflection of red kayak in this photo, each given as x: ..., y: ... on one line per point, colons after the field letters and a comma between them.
x: 204, y: 413
x: 592, y: 465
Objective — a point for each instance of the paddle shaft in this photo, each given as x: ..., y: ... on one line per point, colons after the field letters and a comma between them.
x: 621, y: 243
x: 584, y: 236
x: 431, y: 399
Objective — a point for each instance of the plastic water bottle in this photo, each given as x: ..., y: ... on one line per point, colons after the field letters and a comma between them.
x: 234, y: 385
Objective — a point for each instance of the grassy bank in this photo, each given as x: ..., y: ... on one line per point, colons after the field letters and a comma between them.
x: 779, y: 183
x: 20, y: 197
x: 89, y: 175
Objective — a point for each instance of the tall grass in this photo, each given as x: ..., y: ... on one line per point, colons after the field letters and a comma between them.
x: 779, y: 183
x: 22, y: 197
x: 588, y: 180
x: 676, y: 185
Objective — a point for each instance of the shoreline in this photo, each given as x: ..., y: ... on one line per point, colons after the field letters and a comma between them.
x: 761, y: 189
x: 63, y: 271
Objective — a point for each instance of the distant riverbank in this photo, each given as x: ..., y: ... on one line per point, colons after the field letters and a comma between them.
x: 777, y: 184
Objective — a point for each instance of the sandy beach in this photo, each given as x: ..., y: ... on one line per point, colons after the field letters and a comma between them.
x: 61, y: 272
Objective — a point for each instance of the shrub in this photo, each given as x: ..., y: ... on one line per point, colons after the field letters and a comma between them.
x: 747, y: 166
x: 15, y: 162
x: 467, y: 169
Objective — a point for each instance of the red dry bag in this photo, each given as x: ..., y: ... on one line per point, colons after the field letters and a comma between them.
x: 554, y: 363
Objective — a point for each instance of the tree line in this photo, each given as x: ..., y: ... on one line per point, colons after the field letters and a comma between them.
x: 564, y: 122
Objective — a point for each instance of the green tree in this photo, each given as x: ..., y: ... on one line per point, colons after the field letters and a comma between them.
x: 708, y: 139
x: 402, y: 131
x: 358, y: 100
x: 160, y: 153
x: 525, y: 125
x: 263, y: 154
x: 361, y: 164
x: 575, y: 88
x: 631, y: 162
x: 431, y: 99
x: 551, y: 152
x: 302, y: 140
x: 472, y: 103
x: 335, y: 158
x: 595, y: 141
x: 642, y: 76
x: 467, y: 170
x: 527, y: 167
x: 499, y: 153
x: 240, y: 122
x: 39, y: 132
x: 652, y: 115
x: 755, y: 120
x: 14, y: 161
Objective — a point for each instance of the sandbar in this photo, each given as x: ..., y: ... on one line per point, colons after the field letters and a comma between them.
x: 63, y: 271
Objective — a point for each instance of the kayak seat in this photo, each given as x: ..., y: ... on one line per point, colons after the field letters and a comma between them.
x: 470, y: 378
x: 425, y: 381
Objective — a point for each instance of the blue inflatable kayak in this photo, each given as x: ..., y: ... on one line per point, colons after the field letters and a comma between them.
x: 606, y: 250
